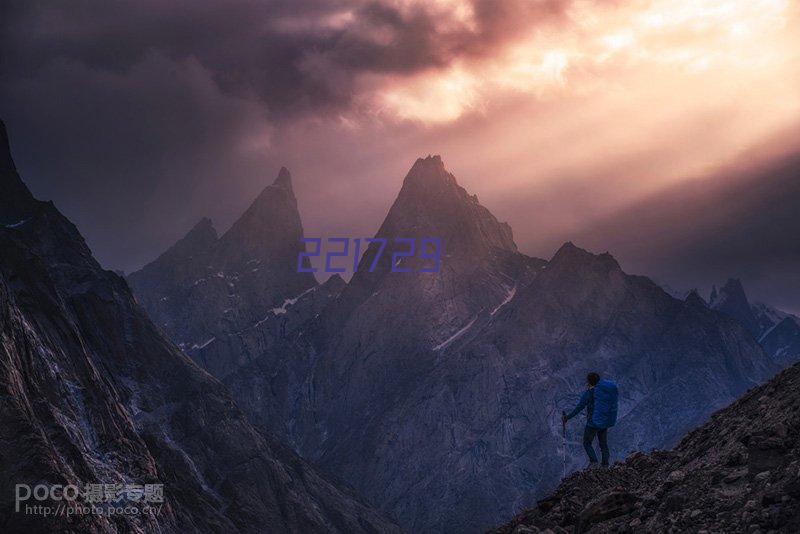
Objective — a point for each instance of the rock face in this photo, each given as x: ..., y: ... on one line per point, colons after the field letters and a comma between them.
x: 438, y: 395
x: 206, y: 288
x: 91, y: 392
x: 740, y: 472
x: 777, y: 332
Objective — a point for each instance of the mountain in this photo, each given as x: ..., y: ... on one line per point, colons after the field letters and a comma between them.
x: 739, y: 472
x: 437, y: 394
x: 205, y: 287
x: 92, y: 392
x: 732, y: 301
x: 777, y: 332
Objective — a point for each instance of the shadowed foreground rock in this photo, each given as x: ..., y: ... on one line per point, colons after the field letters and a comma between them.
x: 740, y: 472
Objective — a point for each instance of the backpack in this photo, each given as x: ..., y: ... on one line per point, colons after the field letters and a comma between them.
x: 606, y: 399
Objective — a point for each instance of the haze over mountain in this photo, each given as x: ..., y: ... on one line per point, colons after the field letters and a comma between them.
x: 437, y: 395
x: 92, y: 392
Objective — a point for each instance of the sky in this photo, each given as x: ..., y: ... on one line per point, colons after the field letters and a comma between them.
x: 662, y: 131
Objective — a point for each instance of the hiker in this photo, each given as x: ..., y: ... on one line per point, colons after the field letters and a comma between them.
x: 600, y: 401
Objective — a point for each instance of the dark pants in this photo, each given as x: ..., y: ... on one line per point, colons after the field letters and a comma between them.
x: 602, y: 437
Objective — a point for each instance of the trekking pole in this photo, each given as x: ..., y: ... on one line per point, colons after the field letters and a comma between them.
x: 564, y: 448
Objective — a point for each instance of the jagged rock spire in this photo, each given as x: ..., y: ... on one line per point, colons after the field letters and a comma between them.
x: 284, y: 179
x: 432, y: 201
x: 16, y: 201
x: 732, y: 301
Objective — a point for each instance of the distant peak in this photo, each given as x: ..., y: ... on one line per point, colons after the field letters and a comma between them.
x: 269, y: 226
x: 733, y: 285
x: 569, y: 250
x: 732, y: 291
x: 284, y: 179
x: 279, y: 190
x: 693, y: 298
x: 732, y: 300
x: 569, y: 246
x: 569, y: 254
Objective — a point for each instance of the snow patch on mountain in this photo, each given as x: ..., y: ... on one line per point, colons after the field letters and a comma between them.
x: 455, y: 336
x: 283, y: 308
x: 509, y: 295
x: 204, y: 344
x: 18, y: 223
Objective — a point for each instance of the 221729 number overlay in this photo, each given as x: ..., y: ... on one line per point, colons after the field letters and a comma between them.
x: 425, y: 248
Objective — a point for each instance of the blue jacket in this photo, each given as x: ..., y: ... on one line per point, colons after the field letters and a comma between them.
x: 600, y: 402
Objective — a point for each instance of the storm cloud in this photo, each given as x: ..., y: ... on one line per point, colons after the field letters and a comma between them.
x: 292, y: 55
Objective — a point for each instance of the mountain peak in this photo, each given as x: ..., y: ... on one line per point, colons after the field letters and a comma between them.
x: 434, y: 161
x: 571, y: 251
x: 731, y: 292
x: 16, y: 200
x: 284, y: 179
x: 432, y: 203
x: 271, y: 224
x: 733, y: 285
x: 731, y: 300
x: 280, y: 188
x: 571, y: 257
x: 428, y: 172
x: 694, y: 299
x: 570, y: 248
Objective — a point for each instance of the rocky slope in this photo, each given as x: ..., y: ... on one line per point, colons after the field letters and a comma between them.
x: 739, y: 472
x: 437, y: 395
x: 206, y: 288
x: 92, y: 392
x: 776, y: 331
